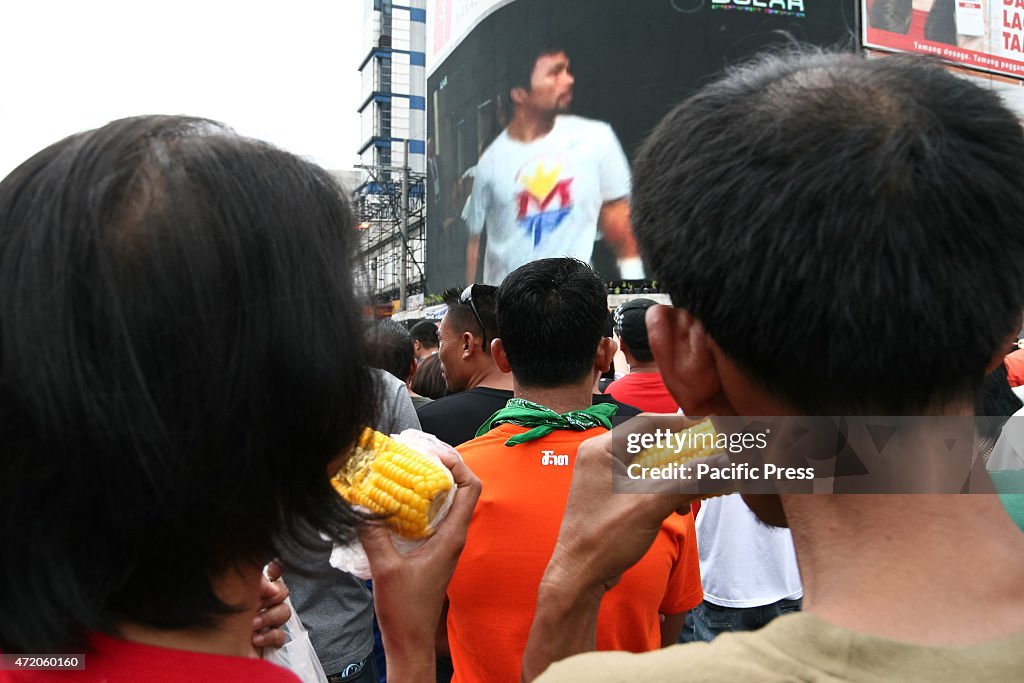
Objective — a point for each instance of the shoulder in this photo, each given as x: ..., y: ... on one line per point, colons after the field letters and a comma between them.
x: 720, y: 660
x: 493, y: 151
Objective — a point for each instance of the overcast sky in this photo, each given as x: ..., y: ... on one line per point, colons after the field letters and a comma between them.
x: 283, y: 72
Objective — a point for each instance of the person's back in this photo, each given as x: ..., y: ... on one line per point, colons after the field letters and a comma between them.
x: 526, y: 462
x: 512, y: 534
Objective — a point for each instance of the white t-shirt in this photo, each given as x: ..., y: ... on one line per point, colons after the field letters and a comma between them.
x: 744, y: 562
x: 542, y: 198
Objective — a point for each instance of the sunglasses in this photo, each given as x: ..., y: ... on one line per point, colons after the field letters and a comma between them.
x: 467, y: 300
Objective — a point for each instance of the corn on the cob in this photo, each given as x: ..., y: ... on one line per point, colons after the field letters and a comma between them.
x: 700, y: 437
x: 396, y: 482
x: 701, y: 441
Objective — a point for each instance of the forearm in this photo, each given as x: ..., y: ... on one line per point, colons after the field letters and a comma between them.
x: 617, y: 229
x: 472, y: 255
x: 413, y: 662
x: 564, y: 624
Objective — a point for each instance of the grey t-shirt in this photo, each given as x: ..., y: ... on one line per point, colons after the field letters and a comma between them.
x: 335, y: 607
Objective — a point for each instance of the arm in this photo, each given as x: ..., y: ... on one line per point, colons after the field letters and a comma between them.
x: 409, y: 590
x: 671, y: 627
x: 472, y: 254
x: 618, y: 231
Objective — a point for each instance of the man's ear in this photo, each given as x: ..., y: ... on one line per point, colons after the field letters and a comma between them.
x: 467, y: 339
x: 606, y: 349
x: 499, y: 356
x: 683, y: 350
x: 517, y: 95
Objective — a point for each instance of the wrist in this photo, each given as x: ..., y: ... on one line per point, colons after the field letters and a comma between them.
x: 564, y: 591
x: 631, y: 268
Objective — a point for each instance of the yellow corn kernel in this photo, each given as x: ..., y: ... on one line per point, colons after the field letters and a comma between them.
x: 700, y: 442
x: 394, y: 481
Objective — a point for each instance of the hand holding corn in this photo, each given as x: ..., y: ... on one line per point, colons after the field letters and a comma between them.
x: 390, y: 479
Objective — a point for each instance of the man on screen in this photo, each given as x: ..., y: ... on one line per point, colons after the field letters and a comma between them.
x: 548, y: 181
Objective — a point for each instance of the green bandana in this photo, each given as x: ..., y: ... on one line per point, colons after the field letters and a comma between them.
x: 525, y: 413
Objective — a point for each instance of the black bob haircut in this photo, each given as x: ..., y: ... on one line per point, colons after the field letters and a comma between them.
x: 179, y: 363
x: 846, y: 229
x: 389, y: 347
x: 552, y: 314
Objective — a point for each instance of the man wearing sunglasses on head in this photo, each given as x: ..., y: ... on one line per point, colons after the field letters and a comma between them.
x: 477, y: 388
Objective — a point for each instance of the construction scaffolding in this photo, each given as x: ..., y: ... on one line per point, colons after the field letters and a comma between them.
x: 390, y: 206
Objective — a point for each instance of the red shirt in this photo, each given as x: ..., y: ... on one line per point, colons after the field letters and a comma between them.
x: 112, y: 660
x: 511, y: 536
x: 1015, y: 368
x: 645, y: 390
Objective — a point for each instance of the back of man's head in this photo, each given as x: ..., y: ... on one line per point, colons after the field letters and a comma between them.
x: 631, y: 326
x: 847, y: 230
x: 389, y: 348
x: 425, y: 332
x: 551, y: 317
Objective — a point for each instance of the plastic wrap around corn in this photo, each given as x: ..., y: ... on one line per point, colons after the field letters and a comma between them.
x: 390, y: 479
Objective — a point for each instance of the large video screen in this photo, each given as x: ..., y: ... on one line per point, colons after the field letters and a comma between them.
x: 536, y: 108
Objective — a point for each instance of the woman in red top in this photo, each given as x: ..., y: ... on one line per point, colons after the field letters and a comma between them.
x: 180, y: 366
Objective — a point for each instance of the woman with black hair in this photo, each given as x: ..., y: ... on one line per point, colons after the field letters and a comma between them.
x: 180, y: 369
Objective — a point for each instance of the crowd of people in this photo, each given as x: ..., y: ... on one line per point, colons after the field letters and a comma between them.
x: 183, y: 365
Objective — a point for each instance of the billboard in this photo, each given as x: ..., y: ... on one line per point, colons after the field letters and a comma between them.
x: 535, y: 109
x: 980, y: 34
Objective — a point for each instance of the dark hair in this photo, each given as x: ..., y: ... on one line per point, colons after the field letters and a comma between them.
x: 843, y: 227
x: 429, y: 381
x: 462, y: 314
x: 389, y: 347
x: 177, y: 370
x: 425, y: 332
x: 551, y: 317
x: 524, y: 61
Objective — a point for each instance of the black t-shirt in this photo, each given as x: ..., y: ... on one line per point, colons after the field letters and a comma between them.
x: 454, y: 419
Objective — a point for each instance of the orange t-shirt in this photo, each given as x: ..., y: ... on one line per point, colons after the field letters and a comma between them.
x: 493, y: 593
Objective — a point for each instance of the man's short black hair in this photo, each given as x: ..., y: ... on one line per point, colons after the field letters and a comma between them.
x: 524, y: 61
x: 847, y: 230
x: 389, y: 347
x: 425, y: 332
x: 180, y: 361
x: 551, y: 316
x: 461, y: 315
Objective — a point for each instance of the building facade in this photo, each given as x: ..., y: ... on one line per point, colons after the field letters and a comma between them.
x: 390, y: 198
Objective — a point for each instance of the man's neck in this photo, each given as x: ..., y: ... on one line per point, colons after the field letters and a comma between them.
x: 651, y: 366
x: 491, y: 377
x: 932, y: 569
x: 564, y: 399
x: 527, y: 126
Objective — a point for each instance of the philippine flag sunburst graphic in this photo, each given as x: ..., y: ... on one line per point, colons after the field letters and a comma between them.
x: 544, y: 200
